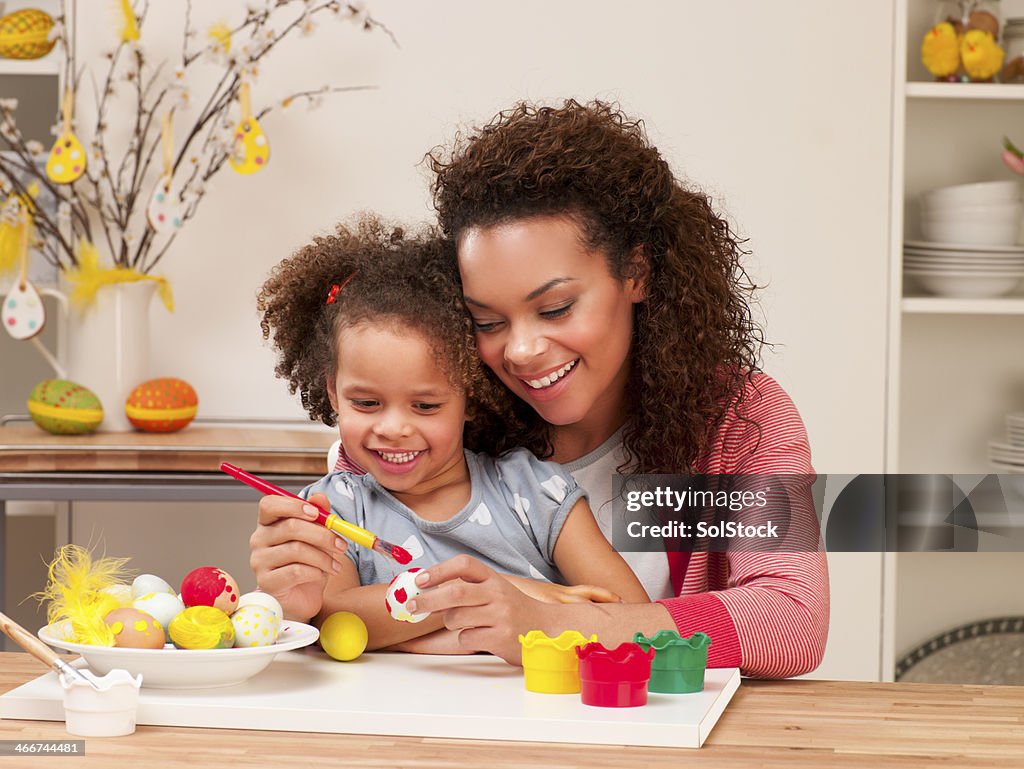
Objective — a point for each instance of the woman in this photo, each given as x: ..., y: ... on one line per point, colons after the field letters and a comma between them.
x: 611, y: 300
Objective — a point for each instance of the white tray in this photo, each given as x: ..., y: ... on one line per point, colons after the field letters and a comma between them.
x: 473, y: 697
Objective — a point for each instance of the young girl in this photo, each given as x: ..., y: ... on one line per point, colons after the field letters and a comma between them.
x: 371, y: 331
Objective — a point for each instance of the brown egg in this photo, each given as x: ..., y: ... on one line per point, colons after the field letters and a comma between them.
x: 134, y: 629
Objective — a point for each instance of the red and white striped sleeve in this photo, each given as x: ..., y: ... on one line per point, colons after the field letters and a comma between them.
x: 766, y: 612
x: 345, y: 464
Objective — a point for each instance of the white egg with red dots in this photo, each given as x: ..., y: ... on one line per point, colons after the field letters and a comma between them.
x: 403, y: 589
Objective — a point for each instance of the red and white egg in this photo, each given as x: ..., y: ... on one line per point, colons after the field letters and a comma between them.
x: 401, y: 590
x: 210, y: 586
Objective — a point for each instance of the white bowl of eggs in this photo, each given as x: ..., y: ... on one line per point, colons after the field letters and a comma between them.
x: 227, y: 637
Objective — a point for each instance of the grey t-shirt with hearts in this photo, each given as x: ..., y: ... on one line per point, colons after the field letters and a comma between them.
x: 516, y: 511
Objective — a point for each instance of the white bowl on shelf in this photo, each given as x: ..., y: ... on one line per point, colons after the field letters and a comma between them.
x: 976, y: 193
x: 986, y: 211
x: 970, y: 231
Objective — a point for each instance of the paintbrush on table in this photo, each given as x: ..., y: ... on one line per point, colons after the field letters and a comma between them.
x: 41, y: 651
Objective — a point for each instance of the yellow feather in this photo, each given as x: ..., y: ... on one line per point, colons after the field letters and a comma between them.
x: 74, y: 592
x: 130, y: 27
x: 89, y: 277
x: 220, y: 33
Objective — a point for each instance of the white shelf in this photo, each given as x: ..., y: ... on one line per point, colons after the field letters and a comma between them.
x: 48, y: 65
x: 938, y: 305
x: 983, y: 91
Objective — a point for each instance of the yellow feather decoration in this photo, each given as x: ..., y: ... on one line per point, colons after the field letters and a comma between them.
x: 220, y: 33
x: 130, y: 27
x: 89, y: 276
x: 74, y: 591
x: 11, y: 240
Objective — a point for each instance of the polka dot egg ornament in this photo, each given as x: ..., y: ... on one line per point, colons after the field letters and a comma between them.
x: 162, y: 405
x: 23, y: 313
x: 64, y: 408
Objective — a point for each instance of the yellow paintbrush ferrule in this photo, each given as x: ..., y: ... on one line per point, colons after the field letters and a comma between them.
x: 350, y: 531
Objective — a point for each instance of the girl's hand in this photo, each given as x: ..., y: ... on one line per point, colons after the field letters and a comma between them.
x: 443, y: 641
x: 483, y: 607
x: 292, y: 556
x: 549, y: 592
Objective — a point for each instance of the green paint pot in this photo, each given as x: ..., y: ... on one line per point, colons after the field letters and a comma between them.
x: 679, y: 663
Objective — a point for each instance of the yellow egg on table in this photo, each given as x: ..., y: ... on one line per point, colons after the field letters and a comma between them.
x: 343, y: 636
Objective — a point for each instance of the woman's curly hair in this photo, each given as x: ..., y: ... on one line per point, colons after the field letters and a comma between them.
x: 695, y: 345
x: 383, y: 275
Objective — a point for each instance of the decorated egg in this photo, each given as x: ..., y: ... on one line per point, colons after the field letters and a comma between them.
x: 66, y: 161
x: 210, y: 586
x: 255, y: 626
x: 259, y: 598
x: 250, y: 150
x: 402, y: 590
x: 24, y: 34
x: 162, y: 405
x: 64, y: 408
x: 163, y: 607
x: 165, y: 212
x: 144, y: 584
x: 121, y: 593
x: 343, y: 636
x: 23, y: 313
x: 134, y: 629
x: 202, y: 627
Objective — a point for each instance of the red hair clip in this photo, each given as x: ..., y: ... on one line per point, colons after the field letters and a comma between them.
x: 332, y: 295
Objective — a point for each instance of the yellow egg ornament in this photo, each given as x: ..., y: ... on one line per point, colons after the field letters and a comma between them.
x: 66, y: 162
x: 249, y: 150
x: 343, y: 636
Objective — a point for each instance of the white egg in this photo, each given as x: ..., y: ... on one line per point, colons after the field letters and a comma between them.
x: 259, y: 598
x: 123, y: 594
x: 255, y: 625
x: 145, y: 584
x: 163, y: 607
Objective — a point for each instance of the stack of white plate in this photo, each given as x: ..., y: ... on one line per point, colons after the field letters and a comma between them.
x: 1008, y: 457
x: 959, y: 270
x: 984, y: 213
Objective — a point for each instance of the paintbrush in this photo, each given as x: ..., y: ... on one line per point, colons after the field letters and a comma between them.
x: 333, y: 522
x: 41, y: 651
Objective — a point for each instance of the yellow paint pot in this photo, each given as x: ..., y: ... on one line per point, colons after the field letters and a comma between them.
x: 550, y: 665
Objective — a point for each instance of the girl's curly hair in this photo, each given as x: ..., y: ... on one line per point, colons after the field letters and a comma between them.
x: 695, y: 344
x: 384, y: 276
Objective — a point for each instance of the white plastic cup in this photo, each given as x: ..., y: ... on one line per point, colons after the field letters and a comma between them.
x: 109, y: 712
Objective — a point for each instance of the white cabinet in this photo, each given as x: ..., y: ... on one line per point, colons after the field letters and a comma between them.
x: 956, y: 365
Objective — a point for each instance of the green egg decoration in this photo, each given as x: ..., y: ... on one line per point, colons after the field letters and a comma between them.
x: 64, y: 408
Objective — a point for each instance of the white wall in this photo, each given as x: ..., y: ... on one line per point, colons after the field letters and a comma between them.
x: 781, y: 110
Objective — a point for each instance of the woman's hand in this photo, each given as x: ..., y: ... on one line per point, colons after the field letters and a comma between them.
x: 292, y: 556
x: 483, y: 607
x: 549, y: 592
x: 443, y: 641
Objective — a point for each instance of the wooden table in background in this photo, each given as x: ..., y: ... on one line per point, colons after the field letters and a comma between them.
x: 152, y: 467
x: 775, y: 724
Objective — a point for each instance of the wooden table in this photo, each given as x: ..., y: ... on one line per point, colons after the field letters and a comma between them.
x: 773, y: 724
x: 140, y: 467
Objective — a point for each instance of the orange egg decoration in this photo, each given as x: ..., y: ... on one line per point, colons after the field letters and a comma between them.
x: 162, y: 405
x: 134, y: 629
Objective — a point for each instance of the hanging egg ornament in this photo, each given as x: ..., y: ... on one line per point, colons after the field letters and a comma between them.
x: 64, y: 408
x: 249, y: 151
x: 67, y: 159
x: 23, y: 313
x: 165, y: 213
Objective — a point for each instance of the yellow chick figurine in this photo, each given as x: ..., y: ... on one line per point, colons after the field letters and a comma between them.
x: 940, y: 50
x: 981, y: 55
